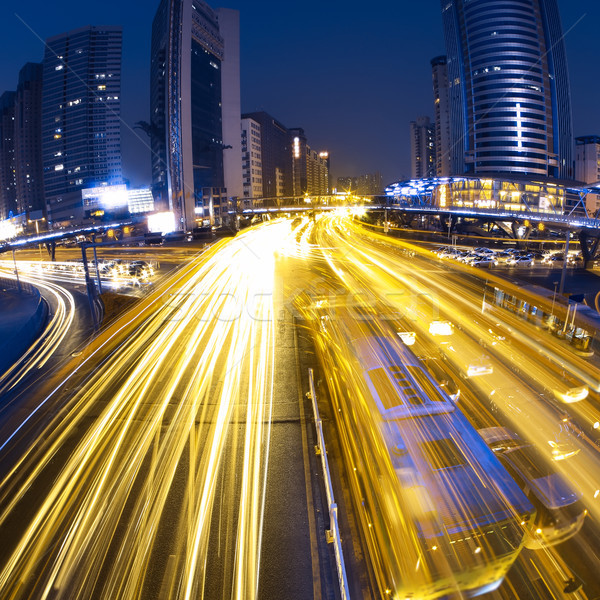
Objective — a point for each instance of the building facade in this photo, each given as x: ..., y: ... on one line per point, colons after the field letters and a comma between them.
x: 194, y: 85
x: 422, y: 148
x: 511, y: 194
x: 229, y: 27
x: 81, y: 117
x: 587, y: 167
x: 310, y: 169
x: 508, y: 88
x: 251, y: 159
x: 441, y: 107
x: 587, y: 158
x: 276, y: 157
x: 370, y: 184
x: 8, y: 182
x: 28, y: 142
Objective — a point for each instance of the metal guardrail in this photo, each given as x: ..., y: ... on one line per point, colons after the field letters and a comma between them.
x: 573, y: 220
x: 7, y: 282
x: 335, y: 529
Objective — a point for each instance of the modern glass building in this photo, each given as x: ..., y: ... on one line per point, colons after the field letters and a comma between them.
x: 510, y: 107
x: 187, y: 55
x: 439, y: 71
x: 28, y: 142
x: 8, y: 183
x: 81, y: 117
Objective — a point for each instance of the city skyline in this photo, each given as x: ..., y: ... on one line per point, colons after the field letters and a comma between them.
x: 343, y: 78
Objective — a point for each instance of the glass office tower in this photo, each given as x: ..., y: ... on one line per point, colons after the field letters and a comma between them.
x: 81, y: 117
x: 510, y: 107
x: 187, y: 98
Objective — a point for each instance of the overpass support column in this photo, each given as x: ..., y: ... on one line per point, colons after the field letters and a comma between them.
x: 588, y: 252
x: 515, y: 226
x: 563, y: 273
x: 451, y: 223
x: 51, y: 247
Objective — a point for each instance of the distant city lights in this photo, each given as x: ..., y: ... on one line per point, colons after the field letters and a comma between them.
x: 9, y: 230
x: 163, y: 222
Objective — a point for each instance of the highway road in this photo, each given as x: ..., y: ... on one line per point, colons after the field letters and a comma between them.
x: 510, y: 373
x: 173, y: 457
x: 140, y: 468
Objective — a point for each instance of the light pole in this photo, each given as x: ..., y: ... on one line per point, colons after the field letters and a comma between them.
x: 553, y: 299
x: 37, y: 231
x: 16, y: 272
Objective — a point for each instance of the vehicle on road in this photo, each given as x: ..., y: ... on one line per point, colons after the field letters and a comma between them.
x: 520, y: 261
x: 436, y: 509
x: 560, y: 512
x: 484, y: 263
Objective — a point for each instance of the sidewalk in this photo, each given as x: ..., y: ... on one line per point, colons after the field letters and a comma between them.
x: 22, y: 318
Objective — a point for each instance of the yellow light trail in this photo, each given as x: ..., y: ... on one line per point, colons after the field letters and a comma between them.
x: 162, y: 403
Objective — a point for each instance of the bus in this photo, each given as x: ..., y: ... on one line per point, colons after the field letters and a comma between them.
x: 438, y: 512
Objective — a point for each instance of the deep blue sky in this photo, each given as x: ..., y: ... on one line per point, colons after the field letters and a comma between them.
x: 353, y: 75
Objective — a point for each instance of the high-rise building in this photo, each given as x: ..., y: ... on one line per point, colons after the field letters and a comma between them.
x: 422, y: 148
x: 587, y: 166
x: 587, y: 158
x: 194, y: 86
x: 81, y: 117
x: 28, y: 141
x: 310, y: 169
x: 8, y: 184
x: 251, y: 158
x: 510, y: 107
x: 439, y: 71
x: 229, y: 27
x: 276, y: 157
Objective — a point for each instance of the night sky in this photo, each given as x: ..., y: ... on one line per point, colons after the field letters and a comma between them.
x: 353, y: 75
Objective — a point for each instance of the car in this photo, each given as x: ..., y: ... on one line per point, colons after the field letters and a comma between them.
x: 521, y: 261
x: 503, y: 257
x: 441, y: 328
x: 480, y: 366
x: 484, y: 262
x: 142, y: 264
x: 537, y: 256
x: 560, y: 511
x: 469, y: 257
x: 450, y: 253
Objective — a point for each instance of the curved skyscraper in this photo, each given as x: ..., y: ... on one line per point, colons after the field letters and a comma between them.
x: 510, y: 106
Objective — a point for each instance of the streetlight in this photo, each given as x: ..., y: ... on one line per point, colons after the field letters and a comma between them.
x: 37, y: 230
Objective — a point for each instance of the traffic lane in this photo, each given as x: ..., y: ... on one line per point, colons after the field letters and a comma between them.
x: 548, y: 360
x: 250, y: 529
x: 552, y: 575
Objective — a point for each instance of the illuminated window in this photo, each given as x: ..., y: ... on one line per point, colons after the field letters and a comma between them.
x: 101, y: 87
x: 59, y: 167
